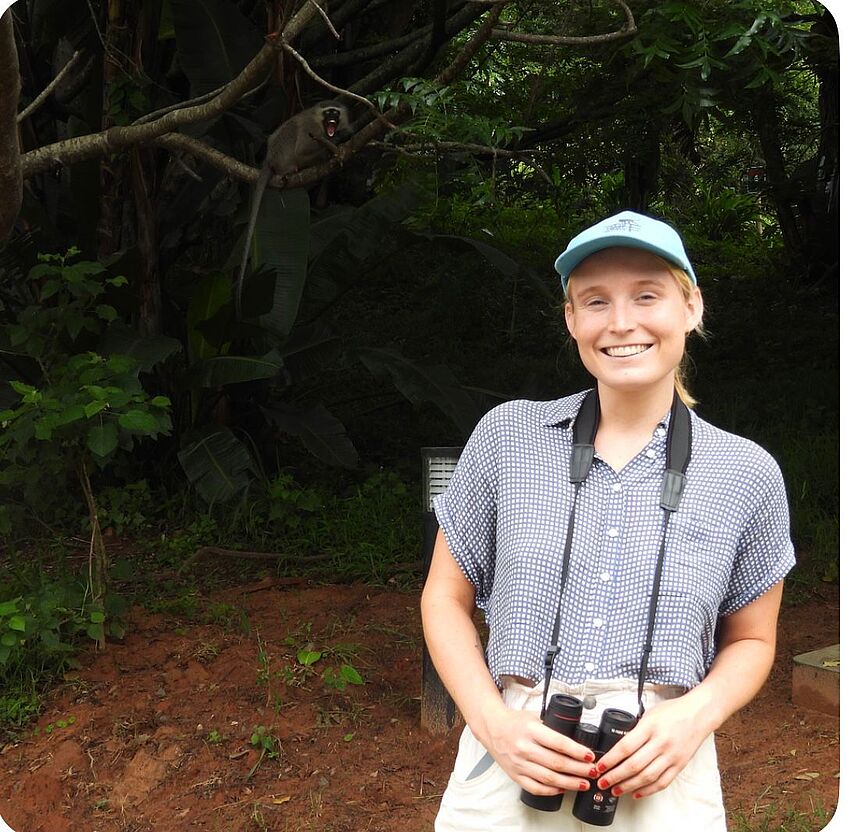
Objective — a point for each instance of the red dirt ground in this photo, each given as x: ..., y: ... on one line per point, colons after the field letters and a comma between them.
x: 128, y: 743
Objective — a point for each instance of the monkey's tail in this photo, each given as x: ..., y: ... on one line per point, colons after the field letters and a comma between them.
x: 258, y: 191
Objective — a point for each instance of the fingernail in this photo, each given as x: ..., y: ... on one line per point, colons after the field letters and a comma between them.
x: 589, y: 758
x: 637, y: 796
x: 583, y: 787
x: 601, y: 768
x: 592, y: 773
x: 603, y: 784
x: 617, y: 791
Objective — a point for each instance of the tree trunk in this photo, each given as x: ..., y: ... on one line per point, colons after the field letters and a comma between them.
x: 11, y: 183
x: 767, y: 127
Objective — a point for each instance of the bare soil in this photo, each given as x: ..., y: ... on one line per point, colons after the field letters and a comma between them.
x: 155, y: 733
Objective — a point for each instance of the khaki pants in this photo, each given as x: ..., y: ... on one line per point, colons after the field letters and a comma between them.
x: 491, y: 801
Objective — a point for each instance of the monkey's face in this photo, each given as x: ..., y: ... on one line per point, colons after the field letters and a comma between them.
x: 331, y: 119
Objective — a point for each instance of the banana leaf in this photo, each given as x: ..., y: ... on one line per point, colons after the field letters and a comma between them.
x: 322, y: 433
x: 235, y: 369
x: 217, y: 464
x: 436, y: 385
x: 214, y: 41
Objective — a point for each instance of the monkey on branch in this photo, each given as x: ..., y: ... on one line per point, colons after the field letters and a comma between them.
x: 300, y: 142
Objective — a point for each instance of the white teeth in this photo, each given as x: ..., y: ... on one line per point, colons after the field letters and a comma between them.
x: 629, y: 349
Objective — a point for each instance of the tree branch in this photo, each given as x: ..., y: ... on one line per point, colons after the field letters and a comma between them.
x: 45, y: 93
x: 115, y: 139
x: 627, y: 29
x: 11, y: 180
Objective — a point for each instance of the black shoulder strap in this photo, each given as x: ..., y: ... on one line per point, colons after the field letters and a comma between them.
x: 585, y: 427
x: 678, y: 454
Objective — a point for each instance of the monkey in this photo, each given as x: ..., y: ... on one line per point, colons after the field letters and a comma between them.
x: 297, y: 143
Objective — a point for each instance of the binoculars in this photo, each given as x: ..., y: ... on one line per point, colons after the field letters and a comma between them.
x: 596, y: 806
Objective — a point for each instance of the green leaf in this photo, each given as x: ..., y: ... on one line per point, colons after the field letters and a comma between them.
x: 233, y: 369
x: 96, y: 632
x: 103, y: 439
x: 93, y: 408
x: 17, y: 623
x: 138, y: 421
x: 97, y: 617
x: 421, y: 384
x: 350, y: 675
x: 308, y: 657
x: 217, y: 464
x: 21, y: 388
x: 320, y: 431
x: 9, y: 607
x: 160, y: 401
x: 9, y: 640
x: 106, y: 312
x: 146, y: 350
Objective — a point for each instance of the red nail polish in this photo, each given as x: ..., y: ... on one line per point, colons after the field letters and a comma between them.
x: 601, y: 768
x: 603, y: 784
x: 637, y: 796
x: 583, y: 787
x: 617, y: 791
x: 589, y: 758
x: 592, y: 773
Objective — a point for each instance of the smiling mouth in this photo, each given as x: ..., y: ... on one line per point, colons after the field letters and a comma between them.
x: 625, y: 351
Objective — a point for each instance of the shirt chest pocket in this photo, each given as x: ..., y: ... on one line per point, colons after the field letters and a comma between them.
x: 697, y: 563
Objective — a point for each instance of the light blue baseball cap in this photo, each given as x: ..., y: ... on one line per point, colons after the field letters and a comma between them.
x: 630, y: 230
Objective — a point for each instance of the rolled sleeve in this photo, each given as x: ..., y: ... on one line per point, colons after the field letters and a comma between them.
x: 467, y: 510
x: 765, y: 552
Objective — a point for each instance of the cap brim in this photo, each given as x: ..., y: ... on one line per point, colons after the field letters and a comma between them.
x: 567, y: 261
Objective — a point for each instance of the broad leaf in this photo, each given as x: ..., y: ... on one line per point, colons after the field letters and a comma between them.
x: 212, y: 293
x: 139, y: 421
x: 217, y: 464
x: 321, y: 433
x: 281, y: 242
x: 234, y: 369
x: 214, y: 42
x: 421, y: 384
x: 103, y: 439
x: 146, y: 350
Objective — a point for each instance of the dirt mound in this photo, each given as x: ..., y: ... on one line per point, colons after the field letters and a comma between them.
x: 161, y: 732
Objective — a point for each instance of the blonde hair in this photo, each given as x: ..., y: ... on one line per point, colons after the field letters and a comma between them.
x: 683, y: 369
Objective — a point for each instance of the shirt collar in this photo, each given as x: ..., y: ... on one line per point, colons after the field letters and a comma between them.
x: 564, y: 410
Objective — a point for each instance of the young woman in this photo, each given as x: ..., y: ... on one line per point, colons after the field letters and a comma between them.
x: 631, y: 299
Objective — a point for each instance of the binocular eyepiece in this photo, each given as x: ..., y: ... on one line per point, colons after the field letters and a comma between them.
x: 596, y: 806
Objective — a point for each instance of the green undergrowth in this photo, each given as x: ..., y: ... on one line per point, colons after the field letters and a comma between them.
x: 811, y: 817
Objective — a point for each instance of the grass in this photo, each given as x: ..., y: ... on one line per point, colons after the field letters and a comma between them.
x: 790, y: 819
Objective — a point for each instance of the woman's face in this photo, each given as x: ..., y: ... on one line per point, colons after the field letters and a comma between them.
x: 629, y: 318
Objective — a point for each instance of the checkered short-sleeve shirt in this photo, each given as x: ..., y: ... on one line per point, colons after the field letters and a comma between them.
x: 505, y: 516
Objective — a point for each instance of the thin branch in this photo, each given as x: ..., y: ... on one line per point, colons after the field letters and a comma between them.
x: 328, y: 22
x: 337, y: 90
x: 115, y: 139
x: 566, y: 40
x: 45, y: 93
x: 200, y: 99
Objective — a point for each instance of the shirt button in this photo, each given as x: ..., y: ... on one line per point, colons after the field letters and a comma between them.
x: 613, y: 532
x: 598, y: 622
x: 651, y: 453
x: 589, y: 666
x: 605, y: 576
x: 660, y: 431
x: 616, y: 486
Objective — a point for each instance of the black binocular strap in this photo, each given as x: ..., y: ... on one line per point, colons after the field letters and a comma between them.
x: 677, y: 456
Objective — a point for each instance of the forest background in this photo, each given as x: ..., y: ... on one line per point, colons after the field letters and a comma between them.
x: 396, y: 291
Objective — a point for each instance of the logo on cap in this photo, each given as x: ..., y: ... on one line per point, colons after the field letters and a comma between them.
x: 628, y: 226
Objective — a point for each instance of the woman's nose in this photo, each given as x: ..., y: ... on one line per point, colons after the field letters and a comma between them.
x: 621, y: 318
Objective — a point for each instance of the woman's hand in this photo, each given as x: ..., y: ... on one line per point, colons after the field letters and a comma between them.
x: 650, y: 756
x: 537, y: 758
